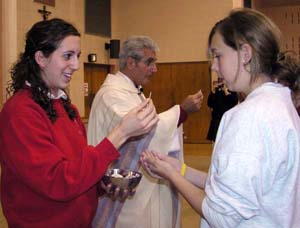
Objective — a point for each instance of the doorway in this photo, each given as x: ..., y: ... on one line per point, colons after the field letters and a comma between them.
x: 94, y: 76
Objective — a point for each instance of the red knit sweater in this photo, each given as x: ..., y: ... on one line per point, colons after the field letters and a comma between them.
x: 49, y: 173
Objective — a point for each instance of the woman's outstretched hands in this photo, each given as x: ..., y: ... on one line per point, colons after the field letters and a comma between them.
x: 159, y: 164
x: 140, y: 120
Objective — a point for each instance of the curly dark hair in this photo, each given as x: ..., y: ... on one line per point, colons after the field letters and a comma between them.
x: 44, y: 36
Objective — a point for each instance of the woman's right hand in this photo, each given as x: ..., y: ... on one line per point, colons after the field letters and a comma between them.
x: 140, y: 120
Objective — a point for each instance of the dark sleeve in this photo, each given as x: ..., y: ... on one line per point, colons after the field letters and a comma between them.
x: 211, y: 100
x: 231, y: 99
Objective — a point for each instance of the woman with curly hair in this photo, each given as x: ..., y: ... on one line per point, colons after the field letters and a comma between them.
x: 49, y: 174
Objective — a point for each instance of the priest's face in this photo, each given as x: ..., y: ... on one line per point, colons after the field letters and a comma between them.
x: 143, y: 70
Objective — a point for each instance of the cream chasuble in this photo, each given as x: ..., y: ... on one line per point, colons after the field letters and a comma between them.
x: 155, y: 204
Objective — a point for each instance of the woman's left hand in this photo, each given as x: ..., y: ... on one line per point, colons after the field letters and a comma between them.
x: 116, y: 193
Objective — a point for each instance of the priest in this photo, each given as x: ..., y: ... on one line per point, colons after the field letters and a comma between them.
x: 155, y: 203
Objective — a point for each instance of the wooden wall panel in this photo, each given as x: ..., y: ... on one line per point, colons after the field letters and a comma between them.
x: 188, y: 79
x: 94, y: 76
x: 161, y: 88
x: 287, y: 18
x: 172, y: 83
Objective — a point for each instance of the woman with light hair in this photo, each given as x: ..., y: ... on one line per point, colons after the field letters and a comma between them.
x: 253, y: 180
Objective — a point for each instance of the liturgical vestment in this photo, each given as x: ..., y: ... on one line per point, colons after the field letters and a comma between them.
x: 155, y: 203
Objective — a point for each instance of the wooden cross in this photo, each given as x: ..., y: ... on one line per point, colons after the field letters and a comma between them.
x: 44, y: 13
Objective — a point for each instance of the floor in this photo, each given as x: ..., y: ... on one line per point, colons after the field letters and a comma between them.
x: 196, y: 156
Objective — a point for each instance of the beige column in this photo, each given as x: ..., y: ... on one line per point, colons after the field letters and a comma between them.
x: 8, y: 48
x: 237, y: 3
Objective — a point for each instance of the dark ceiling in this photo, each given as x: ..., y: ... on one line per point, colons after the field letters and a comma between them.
x: 278, y: 2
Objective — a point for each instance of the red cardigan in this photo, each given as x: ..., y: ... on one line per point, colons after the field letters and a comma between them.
x: 49, y: 173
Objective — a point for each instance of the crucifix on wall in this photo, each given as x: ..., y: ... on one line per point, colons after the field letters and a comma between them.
x: 45, y: 14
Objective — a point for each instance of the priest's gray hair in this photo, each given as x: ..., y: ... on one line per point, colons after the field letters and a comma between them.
x: 133, y: 47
